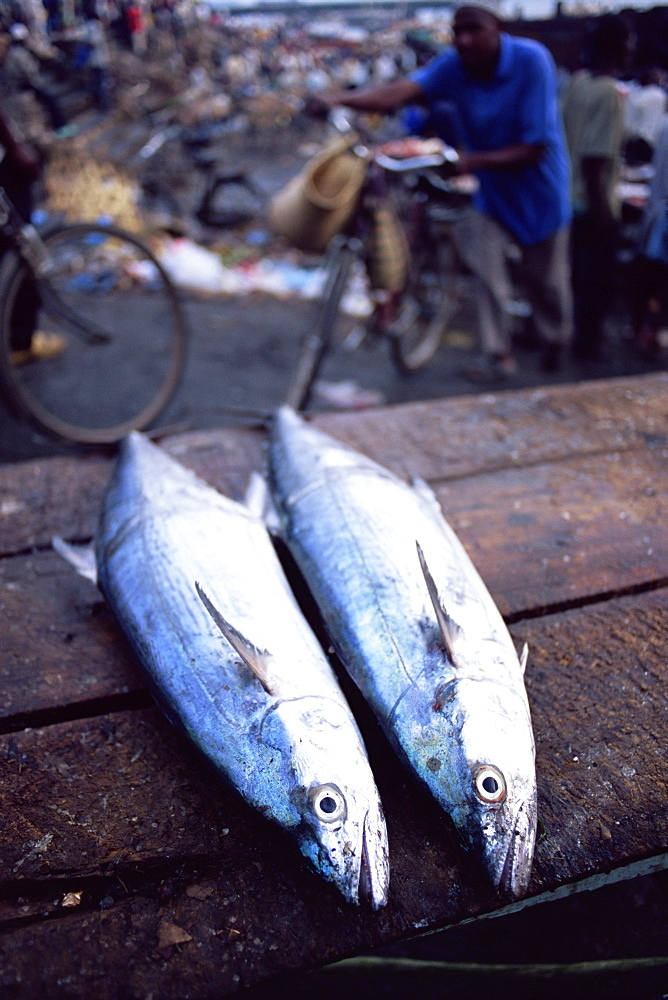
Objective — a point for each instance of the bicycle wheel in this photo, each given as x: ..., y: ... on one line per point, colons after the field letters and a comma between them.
x: 425, y: 308
x: 94, y: 346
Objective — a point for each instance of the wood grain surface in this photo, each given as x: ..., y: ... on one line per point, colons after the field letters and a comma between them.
x: 128, y: 871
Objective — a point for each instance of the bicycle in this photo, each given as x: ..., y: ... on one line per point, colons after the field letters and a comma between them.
x: 412, y: 315
x: 222, y: 198
x: 106, y: 302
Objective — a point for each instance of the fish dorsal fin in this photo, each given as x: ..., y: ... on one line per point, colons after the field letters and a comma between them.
x: 450, y: 630
x: 524, y: 656
x: 257, y: 660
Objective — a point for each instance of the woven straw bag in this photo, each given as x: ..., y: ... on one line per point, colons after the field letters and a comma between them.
x: 316, y: 204
x: 388, y: 257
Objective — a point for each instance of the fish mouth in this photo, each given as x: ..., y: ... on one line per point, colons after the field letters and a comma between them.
x: 374, y: 871
x: 513, y: 877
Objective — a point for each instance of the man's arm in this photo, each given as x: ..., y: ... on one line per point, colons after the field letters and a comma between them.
x: 522, y: 154
x: 388, y: 97
x: 382, y: 99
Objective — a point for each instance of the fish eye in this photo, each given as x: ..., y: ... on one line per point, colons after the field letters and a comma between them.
x: 328, y: 803
x: 490, y: 785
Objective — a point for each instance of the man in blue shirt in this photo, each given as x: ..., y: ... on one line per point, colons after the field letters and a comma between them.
x: 505, y: 93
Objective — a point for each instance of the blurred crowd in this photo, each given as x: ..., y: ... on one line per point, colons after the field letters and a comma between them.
x: 200, y: 51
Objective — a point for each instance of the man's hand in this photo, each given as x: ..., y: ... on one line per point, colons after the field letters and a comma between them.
x: 508, y: 158
x: 317, y: 107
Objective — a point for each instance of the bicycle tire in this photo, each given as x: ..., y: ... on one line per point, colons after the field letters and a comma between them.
x: 426, y: 307
x: 99, y: 281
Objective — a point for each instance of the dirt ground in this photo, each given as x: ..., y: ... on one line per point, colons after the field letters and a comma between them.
x: 243, y: 348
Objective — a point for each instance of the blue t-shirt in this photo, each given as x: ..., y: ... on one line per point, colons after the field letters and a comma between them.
x: 517, y: 105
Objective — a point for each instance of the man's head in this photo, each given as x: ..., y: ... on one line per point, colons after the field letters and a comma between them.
x: 610, y: 43
x: 477, y: 30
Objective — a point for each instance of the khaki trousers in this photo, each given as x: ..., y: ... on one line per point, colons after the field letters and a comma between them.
x: 545, y: 272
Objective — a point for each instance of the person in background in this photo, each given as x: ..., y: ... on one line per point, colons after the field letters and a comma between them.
x: 21, y: 71
x: 648, y: 284
x: 503, y: 90
x: 594, y: 123
x: 92, y: 40
x: 136, y: 22
x: 20, y: 168
x: 644, y: 111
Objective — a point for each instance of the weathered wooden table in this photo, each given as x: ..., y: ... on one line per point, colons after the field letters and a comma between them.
x: 127, y: 871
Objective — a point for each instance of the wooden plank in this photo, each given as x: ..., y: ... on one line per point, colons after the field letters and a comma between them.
x: 542, y: 537
x: 60, y: 645
x: 119, y: 809
x: 565, y: 532
x: 62, y: 496
x: 439, y: 440
x: 447, y: 438
x: 49, y: 496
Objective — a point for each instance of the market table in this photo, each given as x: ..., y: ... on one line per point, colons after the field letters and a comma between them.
x: 127, y: 870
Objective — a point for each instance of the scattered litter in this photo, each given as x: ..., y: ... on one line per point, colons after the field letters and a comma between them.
x: 71, y: 899
x: 192, y: 266
x: 347, y: 395
x: 282, y: 278
x: 198, y: 891
x: 258, y: 237
x: 196, y: 268
x: 144, y: 272
x: 169, y: 934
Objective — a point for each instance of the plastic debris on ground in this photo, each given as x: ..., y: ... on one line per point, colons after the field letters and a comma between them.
x: 347, y: 395
x: 196, y: 268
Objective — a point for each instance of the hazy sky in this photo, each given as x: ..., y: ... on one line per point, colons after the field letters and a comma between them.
x: 546, y: 8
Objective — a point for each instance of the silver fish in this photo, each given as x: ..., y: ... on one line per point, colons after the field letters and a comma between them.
x: 195, y: 584
x: 419, y: 633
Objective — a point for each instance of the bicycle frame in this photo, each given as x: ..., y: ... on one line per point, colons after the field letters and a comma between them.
x: 23, y: 235
x: 28, y: 243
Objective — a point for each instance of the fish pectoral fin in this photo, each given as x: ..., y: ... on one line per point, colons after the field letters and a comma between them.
x: 451, y: 632
x: 524, y: 656
x: 257, y: 660
x: 81, y: 557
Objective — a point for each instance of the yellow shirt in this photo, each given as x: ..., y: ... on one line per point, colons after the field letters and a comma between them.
x: 593, y: 123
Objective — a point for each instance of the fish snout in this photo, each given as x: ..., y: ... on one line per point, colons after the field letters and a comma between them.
x: 352, y: 854
x: 374, y: 872
x: 512, y: 868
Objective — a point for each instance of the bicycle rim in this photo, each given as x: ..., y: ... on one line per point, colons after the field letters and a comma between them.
x: 426, y: 307
x: 100, y: 281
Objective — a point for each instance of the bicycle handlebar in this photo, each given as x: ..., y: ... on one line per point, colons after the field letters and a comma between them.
x: 340, y: 118
x: 406, y: 163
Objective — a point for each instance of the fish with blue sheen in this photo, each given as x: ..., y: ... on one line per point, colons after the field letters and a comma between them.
x: 194, y: 581
x: 418, y: 631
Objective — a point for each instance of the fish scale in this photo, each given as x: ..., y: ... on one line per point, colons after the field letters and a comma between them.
x: 193, y: 579
x: 419, y: 633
